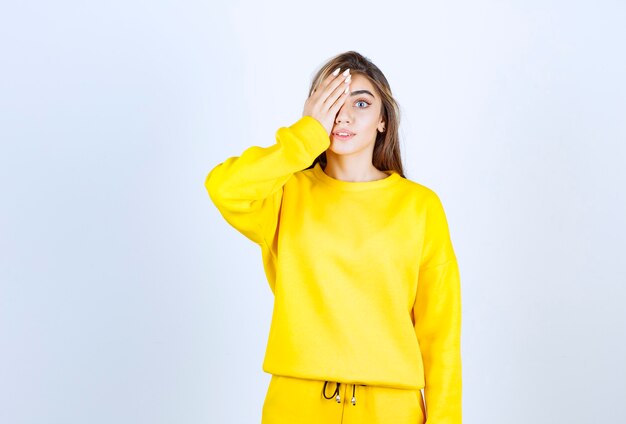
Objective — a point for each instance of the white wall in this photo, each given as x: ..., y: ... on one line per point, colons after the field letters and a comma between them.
x: 124, y: 296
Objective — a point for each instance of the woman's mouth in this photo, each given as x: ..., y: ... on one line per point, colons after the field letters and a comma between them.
x: 343, y: 135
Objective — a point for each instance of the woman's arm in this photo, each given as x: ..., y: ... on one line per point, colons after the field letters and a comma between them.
x: 247, y: 189
x: 437, y: 314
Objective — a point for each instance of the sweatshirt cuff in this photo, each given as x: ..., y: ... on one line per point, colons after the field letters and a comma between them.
x: 313, y: 134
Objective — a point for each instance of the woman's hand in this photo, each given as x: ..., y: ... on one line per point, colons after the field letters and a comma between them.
x: 327, y: 98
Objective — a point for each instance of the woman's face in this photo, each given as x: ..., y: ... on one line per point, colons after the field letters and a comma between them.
x: 359, y: 114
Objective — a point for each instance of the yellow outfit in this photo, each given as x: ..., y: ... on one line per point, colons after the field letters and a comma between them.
x: 365, y: 279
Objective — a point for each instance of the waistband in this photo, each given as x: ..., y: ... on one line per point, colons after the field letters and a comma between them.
x: 336, y: 393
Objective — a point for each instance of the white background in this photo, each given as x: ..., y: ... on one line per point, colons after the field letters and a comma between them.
x: 126, y: 298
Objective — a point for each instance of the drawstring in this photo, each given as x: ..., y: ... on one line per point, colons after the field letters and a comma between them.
x: 336, y: 392
x: 331, y: 396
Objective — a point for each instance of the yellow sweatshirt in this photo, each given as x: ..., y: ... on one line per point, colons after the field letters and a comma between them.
x: 364, y: 276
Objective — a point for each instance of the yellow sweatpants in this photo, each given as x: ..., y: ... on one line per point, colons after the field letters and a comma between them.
x: 292, y: 400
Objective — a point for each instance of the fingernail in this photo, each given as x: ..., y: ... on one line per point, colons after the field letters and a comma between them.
x: 336, y: 71
x: 346, y: 72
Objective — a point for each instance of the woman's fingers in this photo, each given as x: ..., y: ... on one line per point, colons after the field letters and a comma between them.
x: 339, y: 102
x: 330, y: 83
x: 330, y: 78
x: 336, y: 82
x: 337, y: 92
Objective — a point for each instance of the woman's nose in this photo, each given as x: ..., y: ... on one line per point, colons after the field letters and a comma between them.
x: 343, y: 115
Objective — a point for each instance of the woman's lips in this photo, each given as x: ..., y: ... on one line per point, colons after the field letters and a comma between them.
x: 342, y: 137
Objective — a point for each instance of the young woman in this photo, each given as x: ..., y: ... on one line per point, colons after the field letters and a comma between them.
x: 367, y: 296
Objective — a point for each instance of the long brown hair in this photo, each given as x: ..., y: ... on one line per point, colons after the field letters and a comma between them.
x: 386, y: 154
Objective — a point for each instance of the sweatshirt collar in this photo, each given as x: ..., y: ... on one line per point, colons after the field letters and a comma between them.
x: 355, y: 185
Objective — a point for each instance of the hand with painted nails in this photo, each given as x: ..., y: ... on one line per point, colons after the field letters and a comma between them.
x: 325, y: 101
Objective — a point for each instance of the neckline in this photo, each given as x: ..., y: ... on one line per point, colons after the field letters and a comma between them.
x: 355, y: 185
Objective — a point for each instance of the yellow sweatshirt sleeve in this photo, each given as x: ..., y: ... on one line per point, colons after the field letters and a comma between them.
x: 247, y: 189
x: 437, y: 317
